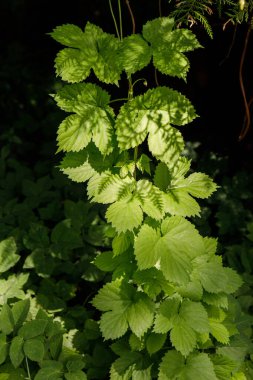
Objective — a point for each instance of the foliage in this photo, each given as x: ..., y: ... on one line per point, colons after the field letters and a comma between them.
x: 169, y: 304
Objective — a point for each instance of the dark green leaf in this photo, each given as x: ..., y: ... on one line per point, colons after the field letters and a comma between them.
x: 16, y: 351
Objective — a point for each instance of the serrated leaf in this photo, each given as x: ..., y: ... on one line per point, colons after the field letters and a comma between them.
x: 136, y: 344
x: 143, y: 164
x: 155, y: 342
x: 121, y: 243
x: 218, y: 299
x: 3, y: 348
x: 195, y: 316
x: 166, y: 315
x: 16, y: 351
x: 223, y: 366
x: 68, y: 35
x: 183, y: 338
x: 8, y: 256
x: 140, y: 314
x: 234, y: 281
x: 192, y: 290
x: 162, y: 177
x: 114, y: 295
x: 181, y: 203
x: 199, y: 366
x: 72, y: 65
x: 197, y: 184
x: 135, y: 53
x: 113, y: 324
x: 219, y: 331
x: 146, y: 247
x: 34, y: 349
x: 168, y: 46
x: 151, y: 198
x: 6, y: 320
x: 152, y: 281
x: 33, y: 328
x: 153, y: 113
x: 125, y: 214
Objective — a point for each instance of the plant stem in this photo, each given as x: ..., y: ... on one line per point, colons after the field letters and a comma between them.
x: 114, y: 19
x: 131, y: 14
x: 120, y: 20
x: 28, y: 370
x: 117, y: 100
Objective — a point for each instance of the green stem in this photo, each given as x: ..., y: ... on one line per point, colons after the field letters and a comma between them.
x: 114, y: 19
x: 120, y: 20
x: 117, y: 100
x: 28, y: 370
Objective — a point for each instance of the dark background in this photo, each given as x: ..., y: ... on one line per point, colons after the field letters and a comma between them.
x: 29, y: 118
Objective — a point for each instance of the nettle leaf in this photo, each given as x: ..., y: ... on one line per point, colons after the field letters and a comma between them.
x: 92, y: 119
x: 81, y: 166
x: 135, y: 53
x: 125, y: 214
x: 124, y: 307
x: 8, y: 255
x: 169, y: 45
x: 154, y: 113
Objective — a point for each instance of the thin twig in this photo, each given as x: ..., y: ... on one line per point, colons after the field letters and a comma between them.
x: 114, y: 19
x: 131, y: 14
x: 120, y: 20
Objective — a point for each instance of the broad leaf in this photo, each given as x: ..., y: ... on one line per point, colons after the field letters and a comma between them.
x: 125, y: 214
x: 140, y: 314
x: 199, y: 366
x: 195, y: 316
x: 34, y: 349
x: 155, y: 342
x: 68, y: 35
x: 171, y: 366
x: 183, y: 338
x: 152, y: 201
x: 32, y: 328
x: 72, y: 65
x: 146, y: 250
x: 135, y: 53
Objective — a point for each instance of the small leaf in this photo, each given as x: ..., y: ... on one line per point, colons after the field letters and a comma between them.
x: 195, y: 316
x: 113, y: 324
x: 20, y: 311
x: 140, y: 314
x: 34, y: 349
x: 8, y: 256
x: 125, y: 214
x: 55, y: 345
x: 146, y: 247
x: 68, y: 35
x: 155, y: 342
x: 6, y: 320
x: 171, y: 366
x: 219, y: 331
x: 135, y: 53
x: 16, y: 351
x: 33, y: 328
x: 72, y: 65
x: 183, y: 338
x: 121, y: 243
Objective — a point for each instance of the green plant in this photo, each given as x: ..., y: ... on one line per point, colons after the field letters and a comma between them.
x: 168, y: 303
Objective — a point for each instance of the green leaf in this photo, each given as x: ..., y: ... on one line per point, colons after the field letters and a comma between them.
x: 183, y: 338
x: 219, y: 300
x: 192, y: 290
x: 153, y: 113
x: 16, y: 351
x: 52, y: 371
x: 219, y: 331
x: 20, y: 311
x: 6, y: 320
x: 146, y: 250
x: 8, y: 256
x: 135, y: 53
x: 199, y: 366
x: 223, y: 366
x: 72, y: 65
x: 77, y: 375
x: 140, y: 314
x: 143, y: 164
x: 3, y: 348
x: 55, y: 345
x: 113, y: 295
x: 179, y: 202
x: 152, y: 281
x: 125, y: 214
x: 166, y: 315
x: 68, y: 35
x: 65, y: 237
x: 168, y: 45
x: 151, y: 198
x: 155, y: 342
x: 32, y: 329
x: 162, y: 177
x: 121, y: 243
x: 34, y: 349
x: 113, y: 324
x: 171, y: 366
x: 234, y: 281
x: 195, y: 316
x: 12, y: 287
x: 74, y: 133
x: 197, y: 184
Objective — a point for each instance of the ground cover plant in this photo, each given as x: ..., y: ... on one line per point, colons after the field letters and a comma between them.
x: 131, y: 290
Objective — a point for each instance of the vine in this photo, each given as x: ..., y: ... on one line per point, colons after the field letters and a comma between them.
x: 168, y: 306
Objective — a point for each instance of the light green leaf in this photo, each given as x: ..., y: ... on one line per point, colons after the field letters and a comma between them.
x: 108, y: 187
x: 197, y: 184
x: 146, y: 247
x: 223, y: 366
x: 8, y: 256
x: 72, y: 65
x: 158, y: 29
x: 34, y: 349
x: 213, y: 276
x: 195, y: 316
x: 171, y: 366
x: 234, y: 281
x: 218, y: 299
x: 135, y: 53
x: 140, y: 314
x: 123, y: 366
x: 219, y: 331
x: 210, y: 245
x: 154, y: 113
x: 33, y: 328
x: 179, y: 202
x: 20, y: 311
x: 178, y: 63
x: 12, y: 287
x: 16, y: 351
x: 113, y: 296
x: 74, y: 133
x: 6, y: 320
x: 3, y: 348
x: 192, y: 290
x: 155, y: 342
x: 151, y: 198
x: 162, y: 177
x: 121, y: 243
x: 68, y: 35
x: 113, y: 324
x: 152, y: 281
x: 183, y: 338
x: 143, y: 164
x: 166, y: 315
x: 125, y: 214
x: 199, y: 366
